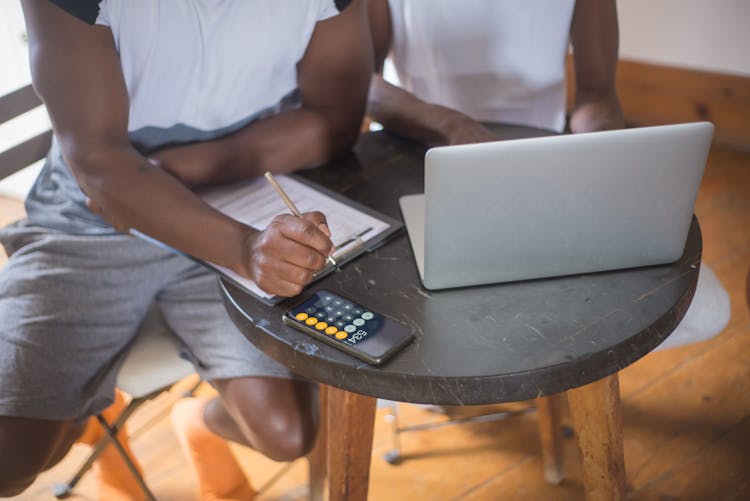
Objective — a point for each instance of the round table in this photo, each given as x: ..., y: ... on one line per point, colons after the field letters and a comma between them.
x: 477, y: 345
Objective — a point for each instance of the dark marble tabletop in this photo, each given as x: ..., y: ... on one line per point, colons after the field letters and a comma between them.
x: 474, y: 345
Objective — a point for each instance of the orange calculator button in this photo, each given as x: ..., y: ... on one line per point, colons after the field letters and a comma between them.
x: 311, y: 321
x: 330, y: 330
x: 321, y: 325
x: 301, y: 316
x: 341, y: 335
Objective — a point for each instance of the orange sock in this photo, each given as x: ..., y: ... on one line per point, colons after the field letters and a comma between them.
x: 220, y: 477
x: 116, y: 482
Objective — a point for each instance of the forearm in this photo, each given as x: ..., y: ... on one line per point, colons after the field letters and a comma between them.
x: 404, y: 114
x: 594, y: 35
x: 595, y: 40
x: 289, y: 141
x: 135, y: 194
x: 285, y: 142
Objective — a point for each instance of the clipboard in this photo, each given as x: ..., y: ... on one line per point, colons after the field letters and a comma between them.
x: 356, y: 229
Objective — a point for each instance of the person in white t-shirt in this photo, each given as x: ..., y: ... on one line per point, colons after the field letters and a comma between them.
x: 148, y: 100
x: 462, y: 63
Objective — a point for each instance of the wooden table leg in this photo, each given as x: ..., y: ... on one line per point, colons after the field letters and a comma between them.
x: 318, y: 457
x: 351, y: 418
x: 549, y: 411
x: 595, y: 411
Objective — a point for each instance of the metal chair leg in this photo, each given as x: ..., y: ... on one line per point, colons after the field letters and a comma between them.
x: 112, y: 432
x: 62, y: 491
x: 393, y: 456
x: 189, y: 392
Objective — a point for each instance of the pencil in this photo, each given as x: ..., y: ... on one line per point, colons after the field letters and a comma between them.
x: 293, y: 208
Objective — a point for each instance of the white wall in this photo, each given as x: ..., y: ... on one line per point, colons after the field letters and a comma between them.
x: 711, y: 35
x: 12, y: 47
x: 15, y: 74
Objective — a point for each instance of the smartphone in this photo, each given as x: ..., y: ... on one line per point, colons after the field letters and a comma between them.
x: 349, y: 326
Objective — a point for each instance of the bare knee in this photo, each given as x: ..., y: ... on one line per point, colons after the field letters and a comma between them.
x: 278, y: 417
x: 285, y: 437
x: 34, y: 445
x: 281, y: 432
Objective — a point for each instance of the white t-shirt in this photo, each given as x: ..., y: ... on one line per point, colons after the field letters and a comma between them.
x: 495, y: 60
x: 206, y: 67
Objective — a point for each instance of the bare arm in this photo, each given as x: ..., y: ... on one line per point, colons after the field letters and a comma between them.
x: 595, y: 37
x: 333, y: 78
x: 76, y: 72
x: 403, y: 113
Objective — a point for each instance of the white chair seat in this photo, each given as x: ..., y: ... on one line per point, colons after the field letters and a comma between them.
x: 153, y: 362
x: 707, y: 315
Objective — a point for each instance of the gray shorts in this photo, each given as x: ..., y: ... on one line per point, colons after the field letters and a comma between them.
x: 70, y: 306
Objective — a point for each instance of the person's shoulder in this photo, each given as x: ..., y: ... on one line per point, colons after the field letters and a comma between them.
x: 85, y: 10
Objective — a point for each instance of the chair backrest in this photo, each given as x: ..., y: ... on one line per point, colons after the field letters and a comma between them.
x: 22, y: 155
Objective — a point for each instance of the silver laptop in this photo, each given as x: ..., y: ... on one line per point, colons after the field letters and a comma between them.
x: 560, y: 205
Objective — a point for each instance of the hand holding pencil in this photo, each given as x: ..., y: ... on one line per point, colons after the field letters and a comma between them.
x: 293, y: 208
x: 285, y: 256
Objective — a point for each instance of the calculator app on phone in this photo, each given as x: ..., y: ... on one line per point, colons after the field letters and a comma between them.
x: 349, y: 326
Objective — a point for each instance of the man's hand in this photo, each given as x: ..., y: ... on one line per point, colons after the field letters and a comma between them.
x: 458, y: 128
x: 597, y: 114
x: 283, y: 258
x: 403, y: 113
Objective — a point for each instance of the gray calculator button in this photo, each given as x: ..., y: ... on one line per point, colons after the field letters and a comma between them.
x: 327, y: 299
x: 321, y: 315
x: 329, y: 309
x: 339, y: 313
x: 367, y: 315
x: 358, y: 322
x: 318, y: 304
x: 348, y: 307
x: 338, y: 302
x: 339, y: 324
x: 350, y: 328
x: 348, y: 318
x: 311, y: 310
x: 358, y: 311
x: 331, y: 320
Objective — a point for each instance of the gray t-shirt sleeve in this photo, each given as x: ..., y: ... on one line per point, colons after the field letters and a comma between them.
x: 329, y: 8
x: 85, y: 10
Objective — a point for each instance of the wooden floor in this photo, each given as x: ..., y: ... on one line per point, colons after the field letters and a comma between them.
x: 686, y: 411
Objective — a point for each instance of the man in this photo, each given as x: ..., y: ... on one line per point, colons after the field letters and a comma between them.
x: 147, y: 99
x: 496, y: 61
x: 503, y: 61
